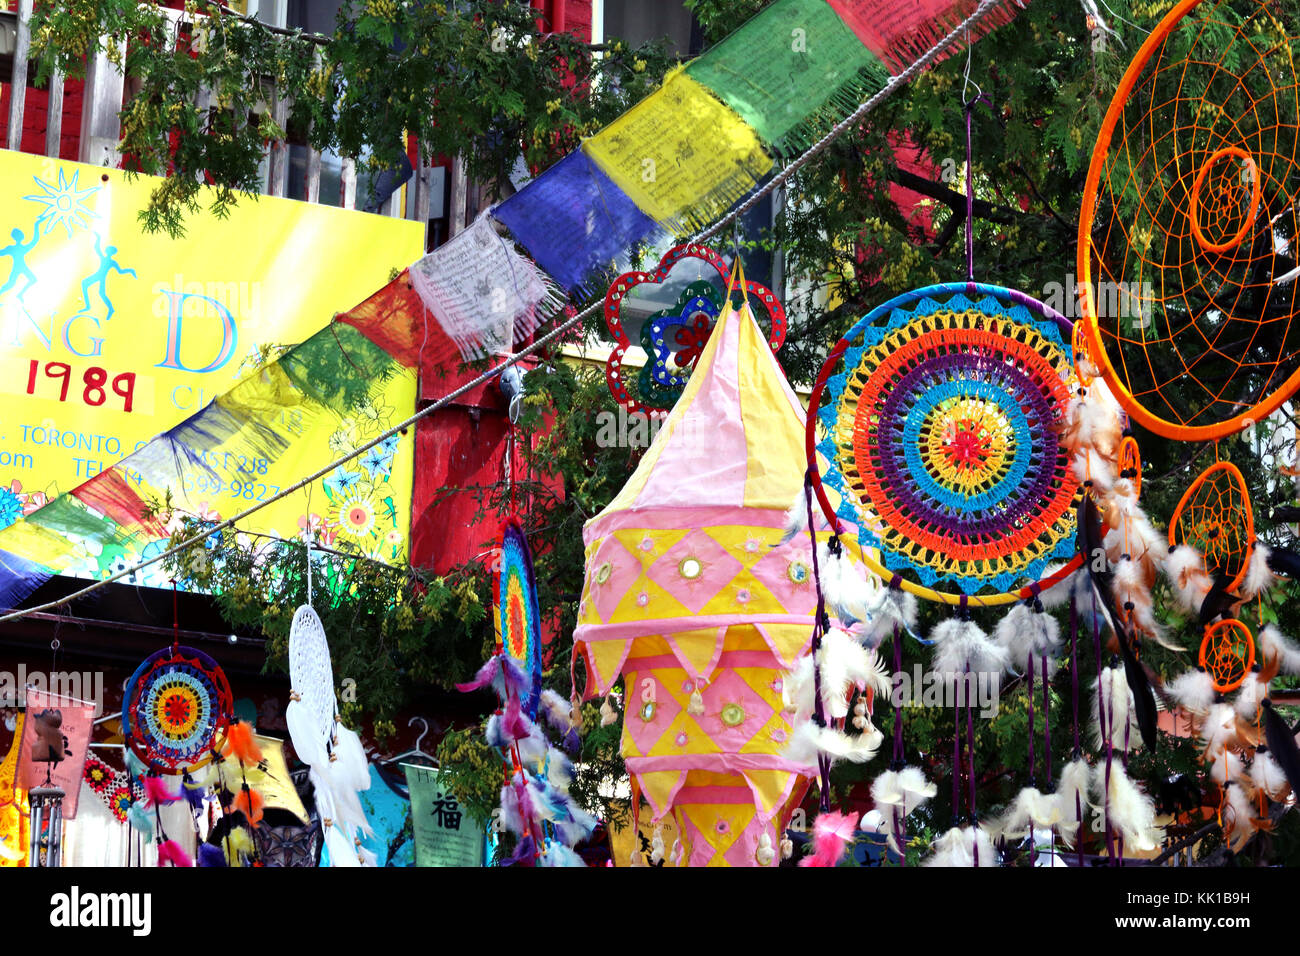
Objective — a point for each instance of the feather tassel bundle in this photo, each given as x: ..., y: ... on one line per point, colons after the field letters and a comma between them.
x: 960, y: 647
x: 171, y: 853
x: 905, y: 789
x: 559, y: 855
x: 241, y: 745
x: 796, y: 519
x: 210, y: 855
x: 1121, y: 728
x: 1130, y: 588
x: 846, y: 664
x: 1275, y: 645
x: 808, y: 741
x: 1259, y: 576
x: 157, y: 793
x: 1072, y: 798
x: 1239, y: 821
x: 1030, y: 810
x: 1131, y: 812
x: 1185, y: 569
x: 1193, y: 690
x: 832, y: 832
x: 1267, y: 776
x: 1025, y: 634
x: 963, y: 847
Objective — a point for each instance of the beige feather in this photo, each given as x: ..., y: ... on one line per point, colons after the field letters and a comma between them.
x: 1259, y: 576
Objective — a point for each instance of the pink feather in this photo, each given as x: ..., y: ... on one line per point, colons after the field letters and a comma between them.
x: 156, y: 792
x: 169, y: 851
x: 831, y: 833
x: 514, y: 723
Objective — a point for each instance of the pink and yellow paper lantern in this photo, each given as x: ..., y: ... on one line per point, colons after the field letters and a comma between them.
x: 688, y: 591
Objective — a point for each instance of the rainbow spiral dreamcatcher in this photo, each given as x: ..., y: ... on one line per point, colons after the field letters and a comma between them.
x: 940, y: 433
x: 516, y: 617
x: 1190, y: 225
x: 174, y: 707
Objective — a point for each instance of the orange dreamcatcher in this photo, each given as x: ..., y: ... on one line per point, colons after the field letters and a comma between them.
x: 1227, y: 654
x: 1190, y: 228
x: 1130, y: 463
x: 1214, y: 517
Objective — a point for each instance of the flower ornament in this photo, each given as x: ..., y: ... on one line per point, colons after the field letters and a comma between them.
x: 675, y: 338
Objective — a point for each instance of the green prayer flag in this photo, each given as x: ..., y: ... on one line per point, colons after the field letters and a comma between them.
x: 791, y: 73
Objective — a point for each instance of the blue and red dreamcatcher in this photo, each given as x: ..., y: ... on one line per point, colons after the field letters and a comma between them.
x: 175, y: 706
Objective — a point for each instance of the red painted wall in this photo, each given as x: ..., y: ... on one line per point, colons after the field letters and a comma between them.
x: 36, y: 113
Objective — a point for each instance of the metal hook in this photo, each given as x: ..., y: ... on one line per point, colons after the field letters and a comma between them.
x: 424, y: 725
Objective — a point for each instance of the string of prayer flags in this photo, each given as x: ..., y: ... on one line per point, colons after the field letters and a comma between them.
x: 792, y: 72
x: 681, y: 155
x: 484, y: 294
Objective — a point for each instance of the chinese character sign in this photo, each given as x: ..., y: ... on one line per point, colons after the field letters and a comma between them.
x: 444, y: 834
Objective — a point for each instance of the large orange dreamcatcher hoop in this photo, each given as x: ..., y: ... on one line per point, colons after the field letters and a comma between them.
x: 1227, y: 654
x: 1214, y: 516
x: 1189, y: 231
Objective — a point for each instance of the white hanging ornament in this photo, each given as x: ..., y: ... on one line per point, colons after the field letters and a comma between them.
x: 608, y: 712
x: 657, y: 846
x: 860, y: 719
x: 765, y: 854
x: 787, y: 848
x: 695, y: 706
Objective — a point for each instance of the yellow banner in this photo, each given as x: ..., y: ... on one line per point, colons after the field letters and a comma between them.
x: 110, y: 336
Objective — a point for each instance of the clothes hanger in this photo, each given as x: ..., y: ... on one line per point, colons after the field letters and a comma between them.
x: 416, y: 752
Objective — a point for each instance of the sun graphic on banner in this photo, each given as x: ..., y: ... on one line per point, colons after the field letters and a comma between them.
x: 65, y: 203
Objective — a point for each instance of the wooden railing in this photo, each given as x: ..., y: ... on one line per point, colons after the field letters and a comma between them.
x: 101, y: 131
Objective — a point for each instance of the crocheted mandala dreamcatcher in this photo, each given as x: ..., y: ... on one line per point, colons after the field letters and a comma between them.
x: 174, y: 706
x: 1189, y: 229
x: 940, y: 432
x: 516, y: 617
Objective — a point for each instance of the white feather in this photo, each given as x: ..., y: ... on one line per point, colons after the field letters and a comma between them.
x: 1238, y: 816
x: 1194, y: 691
x: 958, y: 846
x: 1029, y: 810
x: 1275, y: 644
x: 308, y: 742
x: 916, y: 789
x: 796, y: 519
x: 886, y: 790
x: 1268, y: 776
x: 1130, y: 811
x: 1121, y: 728
x: 1226, y: 766
x: 1130, y: 588
x: 559, y: 711
x: 1027, y: 634
x: 351, y: 767
x: 1259, y: 576
x: 1059, y: 593
x: 961, y: 647
x: 896, y: 609
x: 1219, y: 730
x: 844, y: 663
x: 1072, y: 798
x: 1247, y: 702
x: 797, y: 689
x: 343, y: 851
x: 808, y: 741
x: 1186, y: 571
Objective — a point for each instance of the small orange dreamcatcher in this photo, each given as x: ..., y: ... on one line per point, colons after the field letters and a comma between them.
x: 1130, y: 463
x: 1227, y: 654
x: 1215, y: 517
